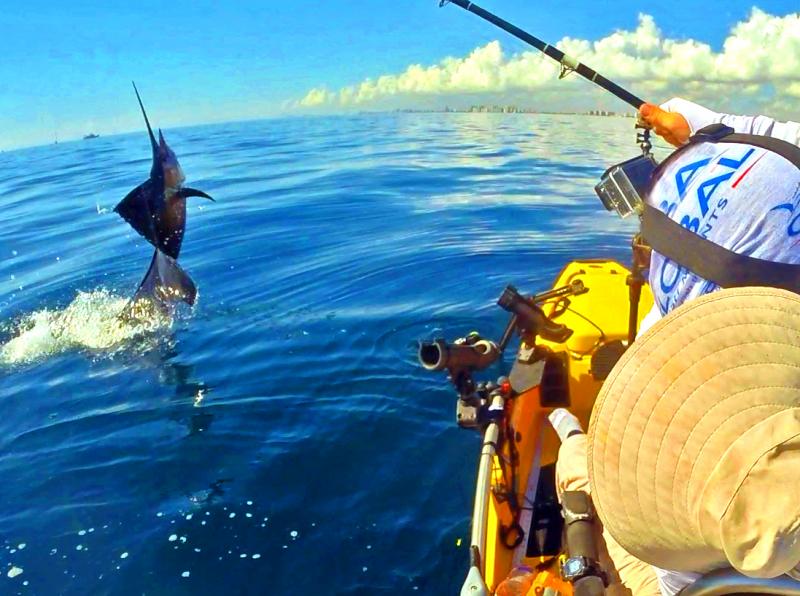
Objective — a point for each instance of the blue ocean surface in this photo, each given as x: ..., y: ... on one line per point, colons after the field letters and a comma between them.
x: 279, y: 437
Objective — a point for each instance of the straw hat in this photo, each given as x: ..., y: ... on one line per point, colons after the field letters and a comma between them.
x: 694, y: 444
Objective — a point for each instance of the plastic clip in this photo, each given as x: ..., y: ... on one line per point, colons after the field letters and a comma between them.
x: 565, y: 70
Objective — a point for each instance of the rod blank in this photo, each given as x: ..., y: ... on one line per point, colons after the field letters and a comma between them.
x: 551, y: 51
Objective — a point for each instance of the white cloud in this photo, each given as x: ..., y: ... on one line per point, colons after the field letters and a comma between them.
x: 317, y: 97
x: 759, y: 65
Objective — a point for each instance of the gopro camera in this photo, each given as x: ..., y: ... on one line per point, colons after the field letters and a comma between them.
x: 623, y: 186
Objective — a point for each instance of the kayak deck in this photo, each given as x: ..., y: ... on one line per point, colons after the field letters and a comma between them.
x: 597, y: 318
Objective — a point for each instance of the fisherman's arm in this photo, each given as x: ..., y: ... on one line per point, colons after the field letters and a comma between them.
x: 678, y: 119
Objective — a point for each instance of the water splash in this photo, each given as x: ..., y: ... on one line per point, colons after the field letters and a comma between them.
x: 92, y: 321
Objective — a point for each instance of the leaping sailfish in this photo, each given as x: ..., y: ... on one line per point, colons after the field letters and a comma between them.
x: 156, y: 209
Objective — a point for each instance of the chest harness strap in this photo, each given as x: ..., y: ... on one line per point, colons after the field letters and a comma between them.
x: 711, y: 261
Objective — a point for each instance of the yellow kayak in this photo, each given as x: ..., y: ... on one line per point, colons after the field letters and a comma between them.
x: 517, y: 519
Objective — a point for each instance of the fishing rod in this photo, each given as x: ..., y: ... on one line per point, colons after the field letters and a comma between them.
x: 568, y: 63
x: 622, y: 186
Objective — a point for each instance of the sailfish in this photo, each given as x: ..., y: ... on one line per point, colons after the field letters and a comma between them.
x: 156, y: 209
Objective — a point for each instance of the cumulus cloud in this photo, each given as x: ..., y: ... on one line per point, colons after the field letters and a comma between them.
x: 759, y: 61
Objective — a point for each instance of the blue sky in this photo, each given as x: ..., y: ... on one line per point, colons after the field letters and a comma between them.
x: 67, y: 71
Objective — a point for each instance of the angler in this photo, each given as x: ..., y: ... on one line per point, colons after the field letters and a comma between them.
x: 719, y: 217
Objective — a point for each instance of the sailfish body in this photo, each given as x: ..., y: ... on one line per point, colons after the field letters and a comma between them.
x: 156, y: 209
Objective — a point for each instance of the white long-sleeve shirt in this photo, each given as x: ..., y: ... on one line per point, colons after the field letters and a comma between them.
x: 699, y: 117
x: 755, y: 229
x: 741, y: 197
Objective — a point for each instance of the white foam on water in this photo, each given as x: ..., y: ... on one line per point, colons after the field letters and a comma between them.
x: 14, y: 572
x: 91, y: 321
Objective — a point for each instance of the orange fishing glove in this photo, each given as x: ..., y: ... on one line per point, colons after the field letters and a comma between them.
x: 670, y: 126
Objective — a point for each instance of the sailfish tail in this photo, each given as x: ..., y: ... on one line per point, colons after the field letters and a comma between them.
x: 163, y: 286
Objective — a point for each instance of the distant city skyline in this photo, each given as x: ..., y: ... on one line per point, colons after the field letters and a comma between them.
x: 66, y: 72
x: 511, y: 109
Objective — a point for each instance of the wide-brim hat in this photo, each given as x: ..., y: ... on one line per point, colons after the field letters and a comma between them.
x: 694, y: 441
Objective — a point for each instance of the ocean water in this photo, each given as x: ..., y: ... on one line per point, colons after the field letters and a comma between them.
x: 279, y: 437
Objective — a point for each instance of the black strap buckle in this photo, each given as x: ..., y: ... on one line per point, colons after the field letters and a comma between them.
x: 711, y: 133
